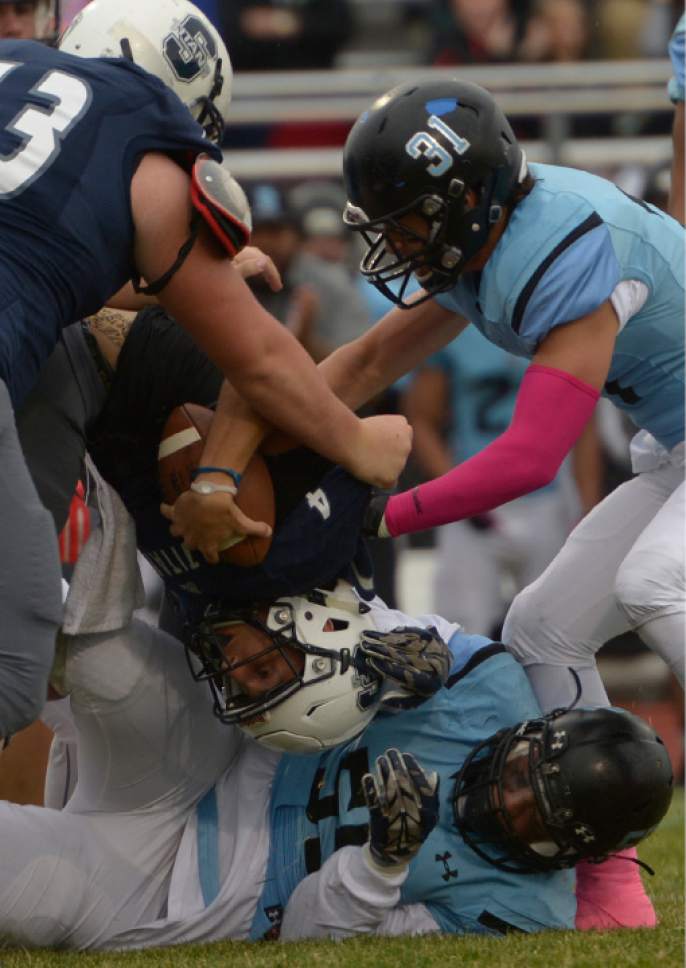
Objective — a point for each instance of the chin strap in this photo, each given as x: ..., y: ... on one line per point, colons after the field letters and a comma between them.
x: 220, y: 202
x: 154, y: 287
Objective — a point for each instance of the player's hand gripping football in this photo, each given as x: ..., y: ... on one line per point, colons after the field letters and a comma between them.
x: 211, y: 523
x: 413, y: 662
x: 402, y: 799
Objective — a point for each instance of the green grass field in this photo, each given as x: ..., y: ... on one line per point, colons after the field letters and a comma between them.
x: 663, y: 947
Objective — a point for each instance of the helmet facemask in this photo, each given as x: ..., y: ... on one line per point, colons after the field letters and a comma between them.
x: 205, y: 110
x: 209, y: 644
x: 482, y: 804
x: 442, y: 151
x: 571, y: 816
x: 314, y: 696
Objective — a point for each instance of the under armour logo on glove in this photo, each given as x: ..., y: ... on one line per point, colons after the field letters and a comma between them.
x: 413, y: 662
x: 403, y: 807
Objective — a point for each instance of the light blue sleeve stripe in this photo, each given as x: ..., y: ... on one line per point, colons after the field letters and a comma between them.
x: 208, y: 846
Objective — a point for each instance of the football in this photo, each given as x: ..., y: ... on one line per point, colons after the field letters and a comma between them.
x: 180, y: 449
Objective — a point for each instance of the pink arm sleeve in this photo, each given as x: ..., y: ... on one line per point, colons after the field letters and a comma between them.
x: 552, y: 409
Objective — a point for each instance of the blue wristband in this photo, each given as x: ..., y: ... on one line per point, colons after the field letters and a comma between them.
x: 234, y: 475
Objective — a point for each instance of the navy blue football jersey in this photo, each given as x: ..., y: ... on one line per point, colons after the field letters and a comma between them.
x: 319, y: 507
x: 72, y: 132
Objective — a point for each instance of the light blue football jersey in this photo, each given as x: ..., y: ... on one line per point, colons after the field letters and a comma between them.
x: 483, y: 382
x: 676, y: 53
x: 566, y: 247
x: 317, y: 806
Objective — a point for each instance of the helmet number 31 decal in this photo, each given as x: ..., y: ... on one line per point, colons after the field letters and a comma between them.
x: 189, y: 48
x: 424, y: 145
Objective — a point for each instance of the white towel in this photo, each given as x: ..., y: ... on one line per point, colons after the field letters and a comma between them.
x: 106, y: 586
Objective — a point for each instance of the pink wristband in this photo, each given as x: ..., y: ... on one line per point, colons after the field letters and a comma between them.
x: 552, y: 409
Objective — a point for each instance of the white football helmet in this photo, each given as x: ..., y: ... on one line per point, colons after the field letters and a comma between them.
x: 171, y: 39
x: 326, y: 703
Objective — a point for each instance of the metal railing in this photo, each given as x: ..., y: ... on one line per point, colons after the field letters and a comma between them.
x: 555, y: 93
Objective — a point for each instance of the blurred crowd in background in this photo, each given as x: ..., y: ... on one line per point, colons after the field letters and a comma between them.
x: 299, y: 35
x: 463, y: 397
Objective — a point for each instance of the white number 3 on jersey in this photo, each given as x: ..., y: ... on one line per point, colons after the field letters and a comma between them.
x: 319, y: 502
x: 41, y: 129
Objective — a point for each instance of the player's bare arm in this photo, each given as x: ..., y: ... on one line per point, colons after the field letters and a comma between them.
x: 426, y: 404
x: 262, y: 360
x: 400, y: 341
x: 250, y: 262
x: 582, y: 348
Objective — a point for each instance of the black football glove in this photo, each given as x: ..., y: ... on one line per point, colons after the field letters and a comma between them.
x: 373, y: 522
x: 402, y: 799
x: 413, y: 662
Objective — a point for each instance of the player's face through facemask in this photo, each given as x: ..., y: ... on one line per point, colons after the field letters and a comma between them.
x: 498, y: 813
x: 255, y: 663
x: 516, y: 797
x: 509, y: 806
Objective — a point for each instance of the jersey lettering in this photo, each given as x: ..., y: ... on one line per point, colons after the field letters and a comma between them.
x: 318, y: 501
x: 627, y: 394
x: 355, y: 763
x: 489, y: 392
x: 42, y: 129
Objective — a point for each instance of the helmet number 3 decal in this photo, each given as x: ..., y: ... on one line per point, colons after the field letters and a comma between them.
x: 424, y: 145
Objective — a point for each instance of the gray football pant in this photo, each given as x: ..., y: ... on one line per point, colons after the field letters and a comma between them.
x: 30, y: 585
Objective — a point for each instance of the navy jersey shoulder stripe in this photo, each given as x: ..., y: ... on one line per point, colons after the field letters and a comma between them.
x: 592, y: 222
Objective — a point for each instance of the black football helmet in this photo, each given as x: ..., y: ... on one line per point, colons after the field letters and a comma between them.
x: 419, y: 149
x: 601, y: 778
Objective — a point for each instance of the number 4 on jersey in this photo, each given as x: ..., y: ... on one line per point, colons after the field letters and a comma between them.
x: 320, y: 502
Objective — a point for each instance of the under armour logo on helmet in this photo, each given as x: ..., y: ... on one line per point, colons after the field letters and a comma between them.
x: 558, y: 739
x: 188, y: 48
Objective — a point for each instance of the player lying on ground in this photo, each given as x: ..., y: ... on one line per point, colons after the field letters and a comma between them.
x: 562, y: 268
x: 310, y: 545
x: 181, y: 829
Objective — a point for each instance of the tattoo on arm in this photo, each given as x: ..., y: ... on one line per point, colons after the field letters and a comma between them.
x: 113, y: 324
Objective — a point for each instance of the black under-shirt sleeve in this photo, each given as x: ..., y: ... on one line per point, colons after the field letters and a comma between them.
x: 159, y: 368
